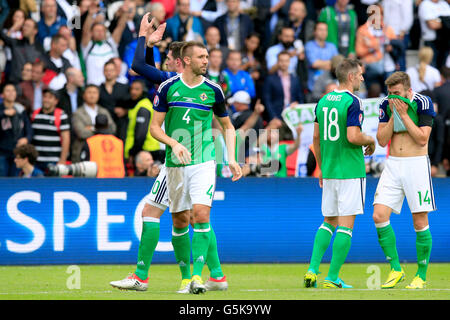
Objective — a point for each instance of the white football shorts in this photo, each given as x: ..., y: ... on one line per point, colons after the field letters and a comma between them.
x: 158, y: 194
x: 406, y: 176
x: 191, y: 185
x: 343, y: 197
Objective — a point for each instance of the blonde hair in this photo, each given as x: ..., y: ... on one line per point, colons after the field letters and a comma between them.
x: 425, y: 58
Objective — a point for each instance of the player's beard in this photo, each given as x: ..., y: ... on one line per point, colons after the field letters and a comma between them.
x: 199, y: 70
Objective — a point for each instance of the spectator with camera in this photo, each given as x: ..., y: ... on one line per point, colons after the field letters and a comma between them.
x: 105, y: 149
x: 143, y: 162
x: 15, y: 130
x: 25, y: 158
x: 83, y: 120
x: 51, y: 132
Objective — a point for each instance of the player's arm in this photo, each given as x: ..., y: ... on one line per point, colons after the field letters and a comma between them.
x: 385, y: 125
x: 182, y: 154
x: 160, y: 108
x: 421, y: 133
x: 230, y: 141
x: 354, y: 134
x: 139, y: 64
x: 316, y: 145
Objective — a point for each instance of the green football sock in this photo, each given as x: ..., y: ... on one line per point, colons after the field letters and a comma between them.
x: 321, y: 243
x: 200, y: 244
x: 182, y: 249
x: 147, y: 246
x: 212, y: 258
x: 386, y: 238
x: 423, y: 246
x: 341, y: 246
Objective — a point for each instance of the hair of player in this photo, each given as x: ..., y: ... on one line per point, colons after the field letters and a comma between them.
x: 346, y: 67
x: 188, y: 47
x: 27, y: 151
x: 398, y: 77
x: 175, y: 47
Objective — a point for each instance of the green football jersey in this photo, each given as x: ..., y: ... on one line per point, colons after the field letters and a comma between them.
x: 189, y: 112
x: 334, y: 113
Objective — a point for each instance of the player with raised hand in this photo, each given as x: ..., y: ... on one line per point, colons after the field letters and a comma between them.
x: 338, y: 142
x: 406, y: 119
x: 157, y: 200
x: 186, y: 103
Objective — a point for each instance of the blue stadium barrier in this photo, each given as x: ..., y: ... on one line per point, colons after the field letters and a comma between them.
x: 97, y: 221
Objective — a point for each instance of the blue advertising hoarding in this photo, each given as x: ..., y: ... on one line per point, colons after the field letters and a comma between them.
x: 97, y: 221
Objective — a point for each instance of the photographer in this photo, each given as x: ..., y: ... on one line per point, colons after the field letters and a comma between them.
x: 105, y: 150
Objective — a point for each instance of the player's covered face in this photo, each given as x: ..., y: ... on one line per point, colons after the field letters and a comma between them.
x: 199, y: 60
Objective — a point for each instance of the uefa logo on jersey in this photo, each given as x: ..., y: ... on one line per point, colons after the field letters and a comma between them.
x: 203, y: 96
x: 381, y: 113
x: 361, y: 117
x: 156, y: 101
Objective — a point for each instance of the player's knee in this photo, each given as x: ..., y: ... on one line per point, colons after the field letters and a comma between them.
x: 378, y: 217
x: 180, y: 219
x: 151, y: 211
x: 201, y: 214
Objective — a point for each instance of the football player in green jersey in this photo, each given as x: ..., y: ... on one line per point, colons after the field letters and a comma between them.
x: 186, y: 103
x: 406, y: 119
x: 338, y: 142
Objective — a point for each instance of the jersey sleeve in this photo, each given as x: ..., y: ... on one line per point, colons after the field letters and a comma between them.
x: 383, y: 115
x: 219, y: 107
x: 425, y: 106
x: 160, y: 100
x: 355, y: 114
x: 425, y: 111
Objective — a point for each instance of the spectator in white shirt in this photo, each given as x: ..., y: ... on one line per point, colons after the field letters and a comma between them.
x: 430, y: 12
x: 424, y: 76
x: 97, y: 47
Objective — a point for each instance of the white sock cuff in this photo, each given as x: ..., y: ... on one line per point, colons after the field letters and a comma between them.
x: 424, y: 229
x: 174, y: 234
x: 382, y: 224
x: 326, y: 228
x: 150, y: 219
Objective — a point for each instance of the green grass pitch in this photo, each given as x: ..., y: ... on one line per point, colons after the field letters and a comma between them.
x: 246, y: 282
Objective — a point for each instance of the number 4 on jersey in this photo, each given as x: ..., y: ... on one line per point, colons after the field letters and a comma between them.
x: 186, y: 117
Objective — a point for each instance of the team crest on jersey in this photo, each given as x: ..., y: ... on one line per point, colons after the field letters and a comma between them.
x: 156, y: 101
x: 203, y: 96
x: 381, y: 113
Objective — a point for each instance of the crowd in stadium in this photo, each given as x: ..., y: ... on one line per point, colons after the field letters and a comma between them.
x: 66, y: 69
